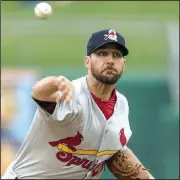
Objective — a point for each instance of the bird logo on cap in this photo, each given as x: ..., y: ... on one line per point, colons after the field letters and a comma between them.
x: 111, y: 35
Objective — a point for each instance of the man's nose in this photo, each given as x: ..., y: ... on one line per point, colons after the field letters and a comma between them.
x: 110, y: 58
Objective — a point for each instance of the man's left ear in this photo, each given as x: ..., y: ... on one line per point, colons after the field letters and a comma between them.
x: 87, y: 61
x: 124, y: 64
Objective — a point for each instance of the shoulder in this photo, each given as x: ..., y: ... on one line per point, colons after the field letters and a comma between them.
x: 122, y: 102
x: 121, y: 97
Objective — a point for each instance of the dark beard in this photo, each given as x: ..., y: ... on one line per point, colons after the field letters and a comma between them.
x: 104, y: 79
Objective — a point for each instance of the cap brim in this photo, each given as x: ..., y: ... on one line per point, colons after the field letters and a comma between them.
x: 120, y: 47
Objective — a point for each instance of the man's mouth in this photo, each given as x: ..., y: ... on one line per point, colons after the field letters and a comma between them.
x: 110, y: 70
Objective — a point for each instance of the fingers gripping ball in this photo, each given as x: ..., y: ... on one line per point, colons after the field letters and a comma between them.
x: 43, y: 10
x: 122, y: 168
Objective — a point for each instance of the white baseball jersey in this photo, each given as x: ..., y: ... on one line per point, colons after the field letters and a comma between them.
x: 74, y: 141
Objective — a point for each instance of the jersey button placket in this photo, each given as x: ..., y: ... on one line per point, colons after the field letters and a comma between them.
x: 104, y: 134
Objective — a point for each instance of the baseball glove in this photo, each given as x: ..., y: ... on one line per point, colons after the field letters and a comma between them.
x: 122, y: 168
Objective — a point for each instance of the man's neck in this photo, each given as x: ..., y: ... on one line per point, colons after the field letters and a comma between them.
x: 102, y: 91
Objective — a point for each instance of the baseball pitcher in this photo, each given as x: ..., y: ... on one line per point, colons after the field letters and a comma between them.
x: 81, y: 125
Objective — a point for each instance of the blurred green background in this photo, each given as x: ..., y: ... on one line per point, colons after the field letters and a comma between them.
x: 62, y: 39
x: 57, y: 46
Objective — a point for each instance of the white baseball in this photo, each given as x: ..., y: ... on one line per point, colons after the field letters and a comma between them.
x: 43, y: 10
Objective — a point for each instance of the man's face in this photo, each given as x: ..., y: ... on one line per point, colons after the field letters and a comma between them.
x: 106, y: 64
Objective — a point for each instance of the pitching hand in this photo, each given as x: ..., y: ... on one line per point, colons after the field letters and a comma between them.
x: 65, y: 89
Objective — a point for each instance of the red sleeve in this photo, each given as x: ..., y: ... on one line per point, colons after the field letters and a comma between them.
x: 48, y: 106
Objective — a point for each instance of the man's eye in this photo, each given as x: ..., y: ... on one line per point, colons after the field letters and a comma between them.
x: 117, y: 55
x: 102, y: 53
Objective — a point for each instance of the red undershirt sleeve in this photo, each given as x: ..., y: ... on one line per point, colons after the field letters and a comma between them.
x: 48, y: 106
